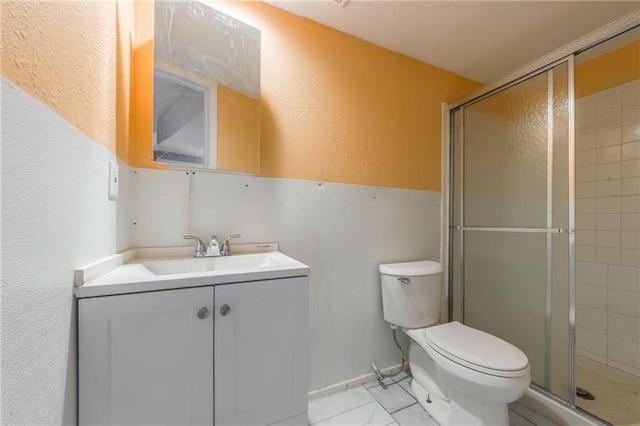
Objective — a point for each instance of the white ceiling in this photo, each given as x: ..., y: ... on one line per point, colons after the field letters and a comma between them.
x: 481, y: 40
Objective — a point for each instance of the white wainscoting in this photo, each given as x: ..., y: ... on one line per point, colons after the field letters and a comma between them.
x: 341, y: 231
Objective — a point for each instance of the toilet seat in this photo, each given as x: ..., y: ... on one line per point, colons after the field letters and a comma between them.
x: 473, y: 349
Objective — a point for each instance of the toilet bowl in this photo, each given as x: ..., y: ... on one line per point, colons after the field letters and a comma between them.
x: 461, y: 376
x: 480, y: 373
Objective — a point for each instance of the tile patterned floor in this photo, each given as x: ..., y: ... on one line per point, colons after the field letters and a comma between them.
x: 372, y: 404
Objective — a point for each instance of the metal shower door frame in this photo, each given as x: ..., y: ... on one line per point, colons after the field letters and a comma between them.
x: 549, y: 230
x: 566, y: 53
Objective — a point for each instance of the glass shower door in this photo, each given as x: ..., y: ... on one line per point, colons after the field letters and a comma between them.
x: 511, y: 221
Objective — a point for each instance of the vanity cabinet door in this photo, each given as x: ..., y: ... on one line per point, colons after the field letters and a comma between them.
x: 146, y: 358
x: 261, y: 351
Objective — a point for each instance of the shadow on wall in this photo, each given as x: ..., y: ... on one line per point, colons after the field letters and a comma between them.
x: 70, y: 405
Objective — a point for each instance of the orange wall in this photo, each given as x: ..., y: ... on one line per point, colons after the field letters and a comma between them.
x: 67, y: 55
x: 335, y: 108
x: 140, y: 150
x: 609, y: 70
x: 238, y: 138
x: 125, y: 25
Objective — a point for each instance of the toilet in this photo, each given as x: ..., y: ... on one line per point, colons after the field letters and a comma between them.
x: 461, y: 376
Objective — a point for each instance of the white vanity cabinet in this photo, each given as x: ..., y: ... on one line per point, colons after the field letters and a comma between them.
x: 229, y: 354
x: 261, y: 352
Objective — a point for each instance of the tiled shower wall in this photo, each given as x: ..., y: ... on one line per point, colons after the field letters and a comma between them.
x: 608, y: 227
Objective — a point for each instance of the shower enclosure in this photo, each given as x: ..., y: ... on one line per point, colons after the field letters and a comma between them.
x: 544, y: 220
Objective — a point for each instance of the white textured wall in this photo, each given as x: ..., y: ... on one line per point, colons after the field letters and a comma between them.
x: 342, y: 231
x: 55, y: 217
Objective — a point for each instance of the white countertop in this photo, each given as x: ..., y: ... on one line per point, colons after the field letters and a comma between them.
x: 126, y: 272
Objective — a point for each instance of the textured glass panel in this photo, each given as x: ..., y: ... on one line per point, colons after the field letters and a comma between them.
x: 456, y: 176
x: 504, y: 286
x: 456, y: 218
x: 558, y: 329
x: 505, y: 294
x: 513, y: 159
x: 558, y: 338
x: 505, y: 157
x: 560, y: 117
x: 456, y: 276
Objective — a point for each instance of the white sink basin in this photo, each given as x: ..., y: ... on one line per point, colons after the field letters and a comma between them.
x: 173, y: 272
x: 190, y: 265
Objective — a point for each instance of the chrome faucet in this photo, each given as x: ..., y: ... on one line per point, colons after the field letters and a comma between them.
x: 212, y: 249
x: 225, y: 245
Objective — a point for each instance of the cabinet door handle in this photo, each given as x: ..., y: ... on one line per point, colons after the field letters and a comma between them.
x: 225, y: 310
x: 203, y: 313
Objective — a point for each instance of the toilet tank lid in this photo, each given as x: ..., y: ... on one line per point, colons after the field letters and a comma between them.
x: 411, y: 269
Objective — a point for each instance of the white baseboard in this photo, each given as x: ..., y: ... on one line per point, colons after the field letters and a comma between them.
x: 351, y: 383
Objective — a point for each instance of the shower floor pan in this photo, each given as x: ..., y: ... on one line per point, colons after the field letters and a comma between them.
x: 617, y: 394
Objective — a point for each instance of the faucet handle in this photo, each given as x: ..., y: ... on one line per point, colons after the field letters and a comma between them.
x: 225, y: 244
x: 200, y: 250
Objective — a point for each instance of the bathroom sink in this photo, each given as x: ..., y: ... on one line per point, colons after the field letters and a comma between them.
x: 189, y: 265
x: 141, y: 270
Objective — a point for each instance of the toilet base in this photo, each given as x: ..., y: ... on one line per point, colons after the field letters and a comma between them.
x: 437, y: 408
x: 448, y: 407
x: 460, y: 412
x: 463, y: 411
x: 424, y: 385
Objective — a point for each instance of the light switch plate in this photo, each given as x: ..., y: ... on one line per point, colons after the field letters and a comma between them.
x: 113, y: 180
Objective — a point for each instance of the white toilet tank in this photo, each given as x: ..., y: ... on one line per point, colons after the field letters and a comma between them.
x: 411, y: 293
